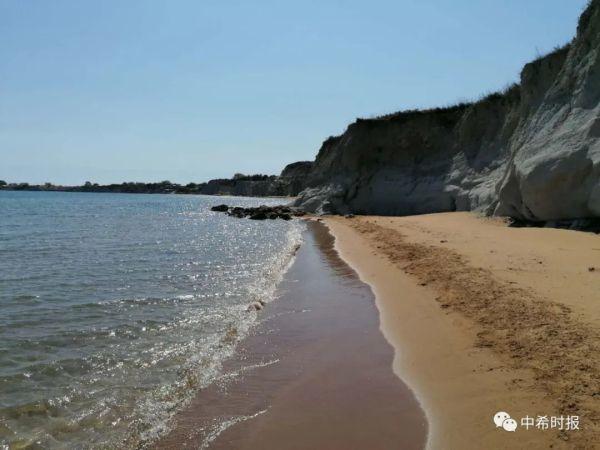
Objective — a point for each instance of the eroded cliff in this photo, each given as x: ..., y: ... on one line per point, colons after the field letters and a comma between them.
x: 531, y: 152
x: 288, y: 184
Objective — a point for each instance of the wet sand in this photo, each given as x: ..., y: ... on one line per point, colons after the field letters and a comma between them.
x: 316, y: 373
x: 486, y: 318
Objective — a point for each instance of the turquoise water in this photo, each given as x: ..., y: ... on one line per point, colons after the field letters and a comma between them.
x: 115, y: 308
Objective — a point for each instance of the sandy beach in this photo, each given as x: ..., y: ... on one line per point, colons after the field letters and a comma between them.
x: 486, y: 318
x: 413, y: 332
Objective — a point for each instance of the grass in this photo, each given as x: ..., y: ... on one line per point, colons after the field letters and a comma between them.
x: 403, y: 116
x: 451, y: 113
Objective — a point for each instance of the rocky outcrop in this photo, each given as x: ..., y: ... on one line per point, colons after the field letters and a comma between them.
x: 268, y: 186
x: 262, y: 212
x: 293, y: 176
x: 531, y: 152
x: 288, y: 184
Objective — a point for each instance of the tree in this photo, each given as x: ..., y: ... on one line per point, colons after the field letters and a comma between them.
x: 3, y: 183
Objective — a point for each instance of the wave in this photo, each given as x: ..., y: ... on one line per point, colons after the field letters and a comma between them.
x: 263, y: 288
x: 216, y: 430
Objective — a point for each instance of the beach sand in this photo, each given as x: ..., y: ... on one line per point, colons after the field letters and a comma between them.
x: 486, y: 318
x: 316, y: 373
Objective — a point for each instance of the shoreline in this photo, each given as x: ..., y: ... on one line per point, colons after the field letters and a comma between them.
x: 315, y: 372
x: 197, y: 194
x: 459, y: 362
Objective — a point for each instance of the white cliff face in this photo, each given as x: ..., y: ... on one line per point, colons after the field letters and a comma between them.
x: 554, y: 172
x: 532, y: 152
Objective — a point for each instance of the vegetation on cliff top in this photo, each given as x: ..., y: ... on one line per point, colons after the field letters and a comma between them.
x: 449, y: 114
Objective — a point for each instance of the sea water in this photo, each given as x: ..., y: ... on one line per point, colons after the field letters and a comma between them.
x: 116, y: 308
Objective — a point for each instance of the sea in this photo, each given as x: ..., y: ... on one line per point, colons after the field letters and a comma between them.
x: 115, y: 309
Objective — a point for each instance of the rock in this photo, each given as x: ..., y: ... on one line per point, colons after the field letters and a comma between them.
x: 261, y: 212
x: 255, y: 306
x: 238, y: 214
x: 258, y: 216
x: 349, y: 216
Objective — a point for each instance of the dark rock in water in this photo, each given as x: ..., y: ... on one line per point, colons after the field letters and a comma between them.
x: 258, y: 216
x: 237, y: 212
x: 261, y: 212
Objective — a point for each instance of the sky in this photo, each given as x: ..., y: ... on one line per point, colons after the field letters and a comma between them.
x: 188, y: 90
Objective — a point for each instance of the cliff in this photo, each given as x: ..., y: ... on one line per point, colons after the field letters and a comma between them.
x: 288, y: 184
x: 531, y: 152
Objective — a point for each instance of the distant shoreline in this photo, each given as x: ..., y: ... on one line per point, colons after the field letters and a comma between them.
x: 162, y: 187
x: 287, y: 184
x: 73, y: 191
x: 239, y: 185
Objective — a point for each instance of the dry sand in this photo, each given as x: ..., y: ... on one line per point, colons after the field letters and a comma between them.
x: 486, y: 318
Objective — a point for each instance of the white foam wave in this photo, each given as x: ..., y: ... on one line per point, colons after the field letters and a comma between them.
x: 205, y: 367
x: 215, y: 431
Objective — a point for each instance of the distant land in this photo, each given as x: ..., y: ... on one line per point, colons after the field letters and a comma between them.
x: 287, y: 184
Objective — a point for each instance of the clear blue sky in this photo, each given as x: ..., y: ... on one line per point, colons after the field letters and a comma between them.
x: 187, y: 90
